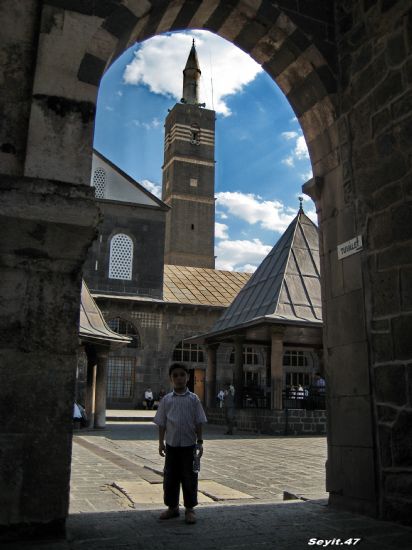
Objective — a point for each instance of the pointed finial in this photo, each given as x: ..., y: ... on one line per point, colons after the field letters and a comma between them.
x: 193, y: 43
x: 300, y: 204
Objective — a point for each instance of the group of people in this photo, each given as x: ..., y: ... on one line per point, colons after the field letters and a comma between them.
x: 302, y: 392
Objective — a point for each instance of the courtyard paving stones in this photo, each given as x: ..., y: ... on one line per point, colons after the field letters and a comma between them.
x: 104, y: 517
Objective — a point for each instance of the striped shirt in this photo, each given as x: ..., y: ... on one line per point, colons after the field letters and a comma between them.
x: 180, y: 414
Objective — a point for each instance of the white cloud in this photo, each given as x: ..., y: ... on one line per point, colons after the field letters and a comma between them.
x: 289, y: 135
x: 301, y: 150
x: 232, y: 255
x: 311, y: 214
x: 153, y: 187
x: 119, y: 93
x: 154, y: 123
x: 248, y: 268
x: 108, y: 108
x: 221, y: 231
x: 251, y: 208
x: 159, y: 62
x: 221, y: 214
x: 307, y: 175
x: 288, y: 161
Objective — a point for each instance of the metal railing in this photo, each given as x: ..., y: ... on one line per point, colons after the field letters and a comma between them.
x: 311, y: 399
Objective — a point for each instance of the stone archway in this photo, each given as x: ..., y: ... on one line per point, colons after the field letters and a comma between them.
x: 345, y: 69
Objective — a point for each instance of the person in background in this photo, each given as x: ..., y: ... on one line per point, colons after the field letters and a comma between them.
x: 230, y: 408
x: 148, y: 395
x: 220, y: 398
x: 319, y: 383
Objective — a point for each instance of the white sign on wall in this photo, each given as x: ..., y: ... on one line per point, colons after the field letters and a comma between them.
x: 350, y: 247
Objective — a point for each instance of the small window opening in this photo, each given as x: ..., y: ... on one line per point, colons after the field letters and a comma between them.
x: 193, y: 226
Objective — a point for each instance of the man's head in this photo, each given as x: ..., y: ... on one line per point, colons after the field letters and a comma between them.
x: 179, y: 375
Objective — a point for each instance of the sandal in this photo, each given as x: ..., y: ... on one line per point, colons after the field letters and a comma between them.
x: 170, y: 513
x: 190, y: 517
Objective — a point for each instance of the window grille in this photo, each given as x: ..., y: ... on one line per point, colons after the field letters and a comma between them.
x: 298, y: 379
x: 250, y: 357
x: 298, y: 372
x: 120, y: 378
x: 99, y: 182
x: 121, y: 326
x: 188, y: 353
x: 147, y: 319
x: 121, y: 257
x: 295, y: 358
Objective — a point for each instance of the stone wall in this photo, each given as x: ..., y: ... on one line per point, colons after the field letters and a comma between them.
x: 146, y: 227
x: 265, y: 421
x: 375, y: 133
x: 161, y: 326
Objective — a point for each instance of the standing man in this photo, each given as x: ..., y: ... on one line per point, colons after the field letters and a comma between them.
x: 229, y: 404
x: 180, y: 417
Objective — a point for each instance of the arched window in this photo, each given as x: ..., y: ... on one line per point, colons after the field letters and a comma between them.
x: 188, y: 353
x: 195, y: 134
x: 121, y: 257
x: 121, y: 326
x: 99, y: 182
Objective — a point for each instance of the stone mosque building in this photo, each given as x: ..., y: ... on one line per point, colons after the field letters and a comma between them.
x: 152, y: 271
x: 345, y: 68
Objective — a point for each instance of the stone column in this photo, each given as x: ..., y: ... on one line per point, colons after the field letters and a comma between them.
x: 101, y: 386
x: 276, y: 368
x: 48, y: 227
x: 90, y: 392
x: 211, y: 375
x: 238, y: 371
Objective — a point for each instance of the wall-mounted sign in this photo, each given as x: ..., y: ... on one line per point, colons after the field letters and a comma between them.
x: 350, y: 247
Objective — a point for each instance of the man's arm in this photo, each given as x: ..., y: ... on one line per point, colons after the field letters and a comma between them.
x: 162, y: 446
x: 199, y: 432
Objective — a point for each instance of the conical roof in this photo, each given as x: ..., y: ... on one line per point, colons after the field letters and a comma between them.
x: 286, y: 285
x: 192, y: 61
x: 93, y: 327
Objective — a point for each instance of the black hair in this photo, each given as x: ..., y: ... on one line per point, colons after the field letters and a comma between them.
x: 174, y: 366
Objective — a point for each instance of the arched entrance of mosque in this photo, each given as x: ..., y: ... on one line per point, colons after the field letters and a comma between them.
x: 322, y: 64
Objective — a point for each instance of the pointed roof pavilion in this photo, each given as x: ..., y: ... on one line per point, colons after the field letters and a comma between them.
x: 286, y: 285
x: 279, y: 306
x: 284, y: 290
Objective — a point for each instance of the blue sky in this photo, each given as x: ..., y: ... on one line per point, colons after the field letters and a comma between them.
x: 261, y: 155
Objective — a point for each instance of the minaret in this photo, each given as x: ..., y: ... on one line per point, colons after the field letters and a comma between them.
x: 191, y: 75
x: 189, y: 175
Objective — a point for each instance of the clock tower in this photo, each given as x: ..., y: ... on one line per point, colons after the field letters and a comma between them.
x: 189, y: 176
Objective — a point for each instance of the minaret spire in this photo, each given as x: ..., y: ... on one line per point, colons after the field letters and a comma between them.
x: 191, y: 75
